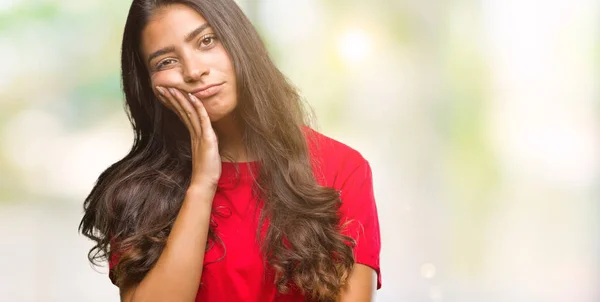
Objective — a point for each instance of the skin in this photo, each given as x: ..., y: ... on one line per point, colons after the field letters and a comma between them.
x: 189, y: 64
x: 362, y: 285
x: 193, y: 63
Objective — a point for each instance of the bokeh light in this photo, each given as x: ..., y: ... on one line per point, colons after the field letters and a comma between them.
x: 354, y: 46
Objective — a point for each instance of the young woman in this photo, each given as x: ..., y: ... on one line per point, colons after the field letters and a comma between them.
x: 226, y: 194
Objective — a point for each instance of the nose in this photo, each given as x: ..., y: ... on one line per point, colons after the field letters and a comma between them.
x: 194, y: 69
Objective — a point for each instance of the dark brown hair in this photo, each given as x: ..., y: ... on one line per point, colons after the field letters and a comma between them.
x: 133, y: 205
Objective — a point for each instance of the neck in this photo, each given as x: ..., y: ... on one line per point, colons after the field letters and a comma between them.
x: 231, y: 143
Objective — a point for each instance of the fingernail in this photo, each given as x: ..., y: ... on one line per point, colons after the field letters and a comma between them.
x: 160, y: 90
x: 192, y: 97
x: 172, y: 91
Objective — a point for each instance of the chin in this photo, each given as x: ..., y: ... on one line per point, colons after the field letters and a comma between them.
x: 216, y: 111
x: 217, y: 116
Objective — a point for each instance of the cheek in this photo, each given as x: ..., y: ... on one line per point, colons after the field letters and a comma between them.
x: 225, y: 64
x: 230, y: 73
x: 167, y: 78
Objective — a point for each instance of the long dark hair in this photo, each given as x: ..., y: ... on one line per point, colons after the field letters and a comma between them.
x: 133, y: 205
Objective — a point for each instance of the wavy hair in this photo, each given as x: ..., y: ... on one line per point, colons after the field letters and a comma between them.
x: 132, y: 207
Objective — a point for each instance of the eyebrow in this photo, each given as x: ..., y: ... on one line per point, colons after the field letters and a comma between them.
x: 188, y: 38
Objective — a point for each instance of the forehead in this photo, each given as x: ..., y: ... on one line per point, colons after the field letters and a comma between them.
x: 168, y: 26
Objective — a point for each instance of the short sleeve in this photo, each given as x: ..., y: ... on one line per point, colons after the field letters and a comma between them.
x: 359, y: 217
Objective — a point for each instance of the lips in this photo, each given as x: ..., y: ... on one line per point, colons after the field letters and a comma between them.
x: 208, y: 91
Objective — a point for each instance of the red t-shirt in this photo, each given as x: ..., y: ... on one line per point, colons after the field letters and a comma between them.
x: 240, y: 273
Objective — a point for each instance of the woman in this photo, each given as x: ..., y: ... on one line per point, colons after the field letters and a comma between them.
x: 226, y: 194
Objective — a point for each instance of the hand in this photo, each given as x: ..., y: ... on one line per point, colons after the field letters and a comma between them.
x: 206, y: 161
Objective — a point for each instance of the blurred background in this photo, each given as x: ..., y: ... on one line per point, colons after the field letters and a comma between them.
x: 481, y: 121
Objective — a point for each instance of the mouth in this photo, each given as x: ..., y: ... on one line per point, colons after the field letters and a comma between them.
x: 208, y: 91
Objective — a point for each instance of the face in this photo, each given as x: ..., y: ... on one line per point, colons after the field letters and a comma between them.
x: 182, y: 51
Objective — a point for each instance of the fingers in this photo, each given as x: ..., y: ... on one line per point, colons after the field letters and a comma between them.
x: 189, y: 110
x: 169, y: 100
x: 183, y: 108
x: 207, y: 130
x: 162, y: 97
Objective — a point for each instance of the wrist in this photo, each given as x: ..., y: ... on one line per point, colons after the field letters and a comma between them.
x: 201, y: 187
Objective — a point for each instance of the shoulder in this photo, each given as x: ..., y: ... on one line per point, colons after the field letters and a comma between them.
x: 332, y: 160
x: 330, y: 151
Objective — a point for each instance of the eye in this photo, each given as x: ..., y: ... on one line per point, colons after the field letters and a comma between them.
x: 164, y: 63
x: 208, y: 40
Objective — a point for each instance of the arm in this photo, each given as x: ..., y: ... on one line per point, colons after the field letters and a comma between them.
x: 361, y: 222
x: 362, y: 284
x: 176, y: 275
